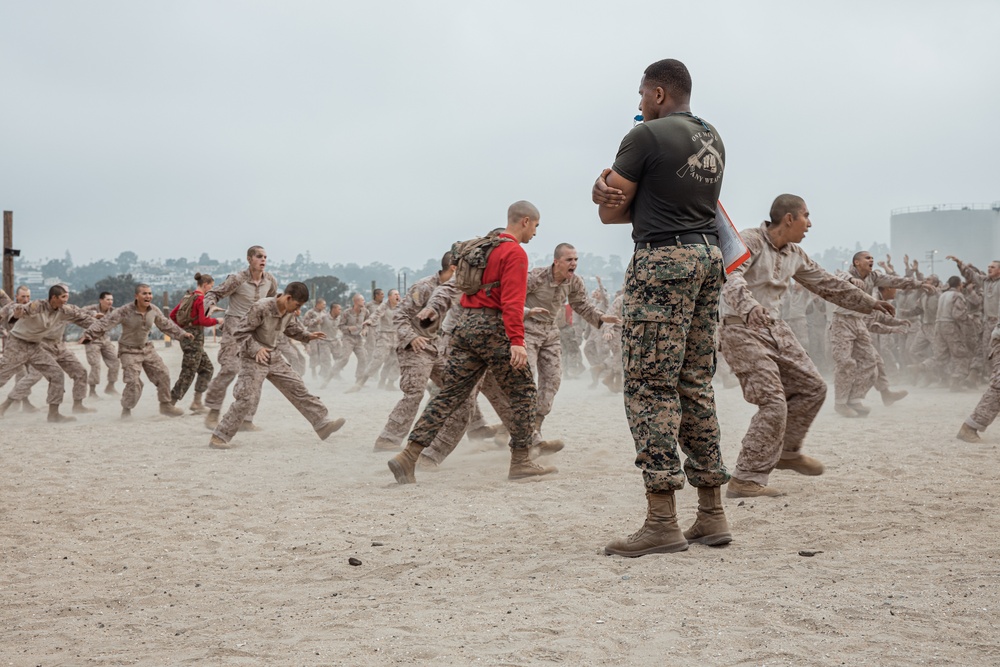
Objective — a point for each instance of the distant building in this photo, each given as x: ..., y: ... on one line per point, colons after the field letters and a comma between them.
x: 970, y: 232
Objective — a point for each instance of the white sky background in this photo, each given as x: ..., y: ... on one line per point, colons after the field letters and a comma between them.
x: 384, y: 131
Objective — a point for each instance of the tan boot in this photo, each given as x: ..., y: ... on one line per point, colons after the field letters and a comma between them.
x: 5, y: 406
x: 710, y: 526
x: 330, y: 427
x: 404, y: 464
x: 110, y: 389
x: 427, y: 464
x: 249, y: 427
x: 546, y: 447
x: 26, y: 406
x: 197, y: 406
x: 212, y: 420
x: 802, y: 464
x: 218, y: 443
x: 968, y: 434
x: 889, y: 396
x: 738, y: 488
x: 80, y: 409
x: 170, y: 410
x: 126, y: 414
x: 57, y: 418
x: 522, y: 467
x: 845, y: 410
x: 484, y: 432
x: 356, y: 387
x: 660, y: 534
x: 93, y: 393
x: 385, y: 445
x: 859, y: 407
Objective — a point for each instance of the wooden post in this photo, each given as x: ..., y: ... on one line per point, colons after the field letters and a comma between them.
x: 8, y: 253
x: 166, y: 311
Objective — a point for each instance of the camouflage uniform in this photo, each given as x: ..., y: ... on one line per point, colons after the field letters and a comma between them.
x: 319, y: 351
x: 35, y: 339
x: 66, y: 360
x: 415, y: 367
x: 242, y: 293
x: 851, y: 343
x: 384, y: 353
x: 989, y: 405
x: 922, y: 341
x: 101, y: 348
x: 194, y: 364
x: 884, y: 325
x: 990, y: 288
x: 262, y: 328
x: 479, y: 343
x: 136, y: 352
x: 541, y: 337
x: 951, y: 357
x: 292, y: 355
x: 671, y: 301
x: 774, y: 370
x: 352, y: 330
x: 613, y: 374
x: 571, y: 338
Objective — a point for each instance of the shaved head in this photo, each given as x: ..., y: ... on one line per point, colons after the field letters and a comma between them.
x: 785, y: 204
x: 522, y: 209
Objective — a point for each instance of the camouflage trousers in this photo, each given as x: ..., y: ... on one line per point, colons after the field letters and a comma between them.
x: 102, y: 348
x: 229, y: 365
x: 855, y: 359
x: 921, y: 343
x: 320, y: 357
x: 951, y: 356
x: 415, y: 369
x: 800, y: 328
x: 135, y: 361
x: 478, y: 344
x: 67, y: 361
x: 292, y: 354
x: 384, y: 358
x: 194, y: 364
x: 19, y: 353
x: 671, y: 313
x: 545, y: 359
x: 989, y: 405
x: 355, y: 345
x: 246, y: 394
x: 777, y: 376
x: 569, y: 337
x: 986, y: 344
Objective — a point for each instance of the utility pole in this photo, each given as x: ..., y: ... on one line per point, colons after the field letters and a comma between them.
x: 9, y: 253
x: 929, y: 255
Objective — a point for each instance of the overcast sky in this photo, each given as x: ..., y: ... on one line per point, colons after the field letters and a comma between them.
x: 384, y: 131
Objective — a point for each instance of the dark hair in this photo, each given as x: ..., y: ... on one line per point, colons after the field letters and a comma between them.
x: 252, y: 250
x: 298, y: 291
x: 954, y: 281
x: 203, y: 279
x: 783, y: 205
x: 104, y: 294
x: 858, y: 255
x: 559, y: 250
x: 57, y: 290
x: 446, y: 261
x: 672, y: 76
x: 377, y: 290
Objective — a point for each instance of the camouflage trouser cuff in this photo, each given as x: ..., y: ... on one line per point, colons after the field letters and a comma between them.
x: 759, y: 477
x: 662, y: 481
x: 974, y: 425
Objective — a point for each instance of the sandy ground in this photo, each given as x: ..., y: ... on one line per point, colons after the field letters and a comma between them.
x: 135, y: 544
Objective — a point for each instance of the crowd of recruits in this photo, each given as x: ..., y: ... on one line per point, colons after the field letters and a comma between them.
x: 670, y: 316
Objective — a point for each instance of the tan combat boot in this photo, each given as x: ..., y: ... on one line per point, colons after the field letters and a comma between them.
x: 126, y: 414
x: 738, y: 488
x: 710, y: 526
x: 385, y: 445
x: 845, y: 410
x: 404, y: 464
x: 889, y: 396
x: 968, y: 434
x: 197, y: 406
x: 330, y: 427
x: 212, y: 420
x: 484, y: 432
x: 5, y: 406
x: 522, y: 467
x: 546, y: 447
x: 659, y: 535
x: 26, y: 406
x: 215, y: 442
x: 110, y: 389
x: 859, y: 407
x: 802, y: 464
x: 80, y: 409
x: 93, y: 393
x: 170, y: 410
x: 57, y: 418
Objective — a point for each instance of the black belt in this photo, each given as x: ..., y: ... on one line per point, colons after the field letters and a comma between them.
x: 681, y: 239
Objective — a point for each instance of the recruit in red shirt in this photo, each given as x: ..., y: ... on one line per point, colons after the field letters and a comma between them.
x: 508, y: 263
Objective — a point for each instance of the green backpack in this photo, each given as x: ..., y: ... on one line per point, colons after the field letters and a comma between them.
x: 470, y: 262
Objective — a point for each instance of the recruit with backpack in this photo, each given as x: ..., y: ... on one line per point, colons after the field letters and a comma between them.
x: 181, y: 314
x: 470, y: 262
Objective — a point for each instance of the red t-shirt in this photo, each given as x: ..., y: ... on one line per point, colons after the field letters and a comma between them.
x: 508, y: 263
x: 197, y: 312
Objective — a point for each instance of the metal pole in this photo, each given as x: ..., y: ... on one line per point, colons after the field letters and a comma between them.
x: 8, y: 253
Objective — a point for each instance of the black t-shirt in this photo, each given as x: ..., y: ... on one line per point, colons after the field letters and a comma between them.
x: 677, y: 162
